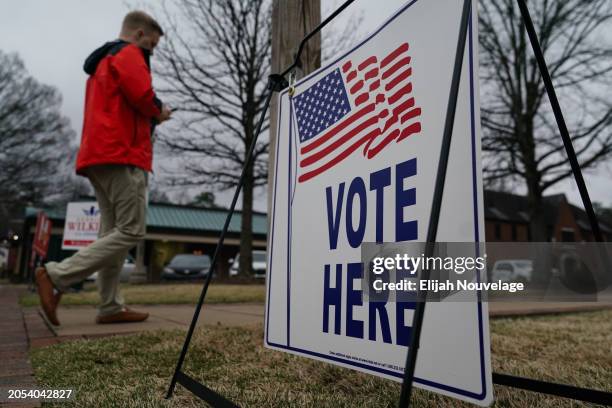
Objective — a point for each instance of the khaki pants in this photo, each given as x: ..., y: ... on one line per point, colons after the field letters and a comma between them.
x: 121, y: 192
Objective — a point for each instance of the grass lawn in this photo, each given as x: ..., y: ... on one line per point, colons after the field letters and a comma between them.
x: 178, y: 293
x: 135, y: 370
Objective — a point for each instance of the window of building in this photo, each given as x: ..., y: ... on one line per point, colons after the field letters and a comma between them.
x: 529, y: 233
x: 567, y: 235
x: 514, y: 233
x: 497, y: 231
x: 550, y: 234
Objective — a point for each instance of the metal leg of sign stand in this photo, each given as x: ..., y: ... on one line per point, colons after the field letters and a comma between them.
x: 276, y: 83
x: 567, y: 141
x: 436, y: 204
x: 561, y: 390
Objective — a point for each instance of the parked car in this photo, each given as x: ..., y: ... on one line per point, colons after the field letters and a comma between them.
x: 187, y: 266
x: 3, y: 257
x: 124, y: 276
x: 512, y: 270
x: 259, y: 264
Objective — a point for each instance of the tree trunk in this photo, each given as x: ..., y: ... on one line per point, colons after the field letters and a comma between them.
x: 246, y: 233
x: 291, y: 21
x: 537, y: 224
x: 542, y: 267
x: 533, y: 178
x: 245, y: 265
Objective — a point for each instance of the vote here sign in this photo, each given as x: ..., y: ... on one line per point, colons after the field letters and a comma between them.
x: 356, y: 158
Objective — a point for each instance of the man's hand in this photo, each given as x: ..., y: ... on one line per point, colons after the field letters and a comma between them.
x: 165, y: 114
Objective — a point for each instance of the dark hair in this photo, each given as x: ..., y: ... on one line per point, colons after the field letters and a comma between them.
x: 139, y: 19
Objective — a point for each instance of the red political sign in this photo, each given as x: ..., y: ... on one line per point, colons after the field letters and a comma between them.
x: 42, y: 235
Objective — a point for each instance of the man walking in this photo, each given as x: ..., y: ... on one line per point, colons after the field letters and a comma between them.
x: 115, y: 155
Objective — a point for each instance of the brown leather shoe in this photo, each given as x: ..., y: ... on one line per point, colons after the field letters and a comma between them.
x: 124, y: 316
x: 48, y: 301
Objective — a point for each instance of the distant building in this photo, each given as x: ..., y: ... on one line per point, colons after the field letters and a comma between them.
x: 175, y: 229
x: 507, y: 219
x: 171, y: 229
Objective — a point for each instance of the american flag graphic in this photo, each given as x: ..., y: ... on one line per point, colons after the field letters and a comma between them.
x: 363, y: 106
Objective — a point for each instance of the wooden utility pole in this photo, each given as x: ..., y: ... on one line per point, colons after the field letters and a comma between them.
x: 291, y: 21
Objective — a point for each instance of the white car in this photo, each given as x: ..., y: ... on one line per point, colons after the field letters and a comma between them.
x: 259, y: 264
x: 124, y: 276
x: 512, y: 270
x: 3, y: 257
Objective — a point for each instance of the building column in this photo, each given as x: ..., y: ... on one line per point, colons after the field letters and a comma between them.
x: 140, y: 274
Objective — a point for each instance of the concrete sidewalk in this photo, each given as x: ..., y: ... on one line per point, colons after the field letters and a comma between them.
x: 79, y: 321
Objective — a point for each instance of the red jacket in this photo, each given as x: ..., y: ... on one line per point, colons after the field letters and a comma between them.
x: 120, y: 106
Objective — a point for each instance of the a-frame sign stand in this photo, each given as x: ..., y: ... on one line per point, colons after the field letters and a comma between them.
x: 277, y: 83
x: 561, y: 390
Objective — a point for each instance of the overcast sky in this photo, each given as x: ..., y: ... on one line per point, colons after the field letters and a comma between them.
x: 54, y: 37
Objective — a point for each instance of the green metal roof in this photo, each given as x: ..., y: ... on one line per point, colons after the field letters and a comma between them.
x: 53, y: 213
x: 179, y: 217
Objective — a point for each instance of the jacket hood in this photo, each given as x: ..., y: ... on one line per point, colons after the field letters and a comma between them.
x: 111, y: 47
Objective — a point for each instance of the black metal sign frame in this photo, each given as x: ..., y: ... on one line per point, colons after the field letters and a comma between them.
x: 277, y: 83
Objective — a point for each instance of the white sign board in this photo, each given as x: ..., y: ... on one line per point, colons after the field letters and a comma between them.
x: 82, y: 225
x: 356, y: 158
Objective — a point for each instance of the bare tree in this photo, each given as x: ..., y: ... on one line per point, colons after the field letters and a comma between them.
x: 205, y: 199
x: 340, y: 36
x: 604, y: 213
x: 34, y: 138
x: 65, y: 185
x: 214, y: 64
x: 520, y: 137
x: 157, y: 195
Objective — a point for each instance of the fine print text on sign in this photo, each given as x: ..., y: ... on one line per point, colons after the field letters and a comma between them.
x: 357, y: 153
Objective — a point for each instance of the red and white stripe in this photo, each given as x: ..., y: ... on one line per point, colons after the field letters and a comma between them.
x: 383, y: 110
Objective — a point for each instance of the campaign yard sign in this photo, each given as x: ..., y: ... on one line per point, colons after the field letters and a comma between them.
x: 42, y: 235
x: 357, y: 152
x: 82, y: 225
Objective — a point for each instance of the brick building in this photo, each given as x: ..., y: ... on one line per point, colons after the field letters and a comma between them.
x: 507, y: 219
x: 173, y: 229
